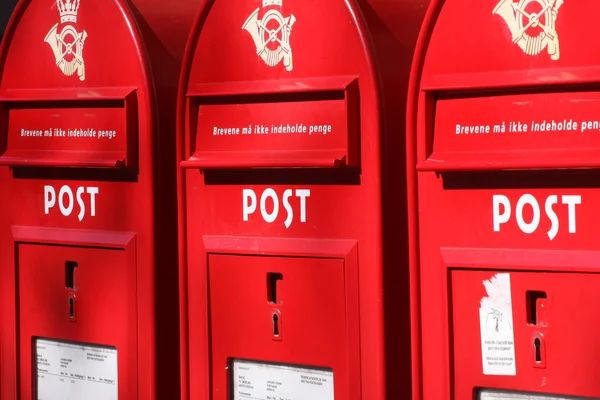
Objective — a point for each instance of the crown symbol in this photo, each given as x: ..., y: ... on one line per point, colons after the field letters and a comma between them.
x: 68, y: 10
x: 267, y: 3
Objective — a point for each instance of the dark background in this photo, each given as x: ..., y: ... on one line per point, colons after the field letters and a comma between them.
x: 6, y: 8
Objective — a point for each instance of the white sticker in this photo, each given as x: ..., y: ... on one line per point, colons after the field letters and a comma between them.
x: 258, y: 381
x: 496, y: 326
x: 67, y: 371
x: 496, y: 395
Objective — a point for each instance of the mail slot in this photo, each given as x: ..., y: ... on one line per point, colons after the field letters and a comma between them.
x: 503, y: 144
x: 88, y: 232
x: 292, y: 216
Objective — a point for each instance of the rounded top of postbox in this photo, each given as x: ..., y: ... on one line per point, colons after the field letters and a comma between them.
x: 75, y: 70
x: 274, y: 83
x: 500, y: 43
x: 505, y: 85
x: 71, y: 43
x: 249, y: 40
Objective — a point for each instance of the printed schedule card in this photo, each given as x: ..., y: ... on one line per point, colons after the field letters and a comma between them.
x: 68, y: 371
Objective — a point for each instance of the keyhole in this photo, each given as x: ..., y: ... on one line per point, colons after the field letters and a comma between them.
x: 275, y: 325
x: 538, y: 353
x: 71, y: 307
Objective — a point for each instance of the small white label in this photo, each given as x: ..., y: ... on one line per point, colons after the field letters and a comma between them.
x: 496, y: 325
x: 495, y: 395
x: 67, y: 371
x: 258, y: 381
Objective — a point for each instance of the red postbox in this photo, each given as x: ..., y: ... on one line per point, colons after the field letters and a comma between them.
x: 293, y: 212
x: 88, y: 248
x: 503, y: 131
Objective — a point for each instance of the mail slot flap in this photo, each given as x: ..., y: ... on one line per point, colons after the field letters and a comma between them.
x: 515, y: 131
x: 91, y: 127
x: 278, y: 86
x: 274, y: 124
x: 66, y: 94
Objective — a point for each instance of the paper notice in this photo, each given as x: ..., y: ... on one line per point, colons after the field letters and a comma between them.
x: 68, y: 371
x: 496, y: 325
x: 259, y: 381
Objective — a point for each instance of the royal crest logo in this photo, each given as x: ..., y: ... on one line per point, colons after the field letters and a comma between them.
x: 532, y: 24
x: 67, y: 45
x: 271, y: 34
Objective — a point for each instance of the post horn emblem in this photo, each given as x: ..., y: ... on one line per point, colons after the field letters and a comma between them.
x: 533, y: 29
x: 272, y: 45
x: 67, y: 46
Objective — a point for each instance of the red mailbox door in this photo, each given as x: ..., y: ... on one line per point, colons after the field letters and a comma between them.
x: 69, y: 299
x: 285, y: 314
x: 540, y: 346
x: 88, y: 234
x: 292, y: 215
x: 504, y: 153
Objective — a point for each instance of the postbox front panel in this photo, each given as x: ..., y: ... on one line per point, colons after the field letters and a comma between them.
x: 87, y: 91
x: 507, y: 154
x: 278, y: 328
x: 282, y: 146
x: 525, y: 331
x: 77, y: 323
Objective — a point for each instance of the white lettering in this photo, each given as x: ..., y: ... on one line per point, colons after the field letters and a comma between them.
x: 49, y: 198
x: 477, y: 129
x: 571, y: 202
x: 269, y: 193
x: 66, y: 211
x: 550, y: 201
x: 303, y: 194
x: 292, y: 128
x: 66, y: 200
x: 499, y: 218
x: 532, y: 226
x: 249, y: 202
x: 80, y: 202
x: 92, y: 191
x: 288, y: 208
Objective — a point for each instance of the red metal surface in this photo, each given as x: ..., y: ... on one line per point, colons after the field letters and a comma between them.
x: 547, y: 130
x: 344, y: 187
x: 303, y: 338
x: 44, y: 308
x: 519, y: 200
x: 113, y: 211
x: 557, y: 372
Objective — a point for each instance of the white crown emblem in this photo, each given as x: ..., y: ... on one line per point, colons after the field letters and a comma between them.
x: 267, y: 3
x: 68, y: 10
